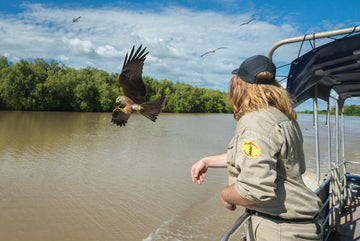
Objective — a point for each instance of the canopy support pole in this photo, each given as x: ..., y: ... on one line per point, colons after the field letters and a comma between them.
x: 316, y: 126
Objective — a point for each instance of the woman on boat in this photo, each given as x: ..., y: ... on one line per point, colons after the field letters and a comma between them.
x: 265, y: 159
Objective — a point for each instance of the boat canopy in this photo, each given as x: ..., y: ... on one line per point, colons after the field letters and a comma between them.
x: 335, y: 65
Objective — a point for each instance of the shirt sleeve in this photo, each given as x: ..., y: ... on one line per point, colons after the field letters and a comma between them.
x: 256, y: 157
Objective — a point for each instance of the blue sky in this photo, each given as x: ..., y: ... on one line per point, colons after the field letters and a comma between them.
x: 175, y: 32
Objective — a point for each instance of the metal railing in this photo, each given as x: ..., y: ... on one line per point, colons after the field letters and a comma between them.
x: 234, y: 228
x: 326, y: 34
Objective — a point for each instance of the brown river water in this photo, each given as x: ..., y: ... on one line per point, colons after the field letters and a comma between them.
x: 76, y: 176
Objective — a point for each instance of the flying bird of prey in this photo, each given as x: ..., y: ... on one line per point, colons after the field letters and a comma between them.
x: 247, y: 22
x: 211, y: 51
x: 76, y: 19
x: 134, y: 99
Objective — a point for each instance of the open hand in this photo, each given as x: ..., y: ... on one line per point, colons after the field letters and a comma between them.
x: 198, y: 171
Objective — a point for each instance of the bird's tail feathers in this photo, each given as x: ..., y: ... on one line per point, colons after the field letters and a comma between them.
x: 153, y: 108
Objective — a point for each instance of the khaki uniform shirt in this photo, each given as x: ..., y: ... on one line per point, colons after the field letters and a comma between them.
x: 265, y: 160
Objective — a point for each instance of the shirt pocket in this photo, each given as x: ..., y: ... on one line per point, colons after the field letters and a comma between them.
x: 230, y: 158
x: 230, y: 154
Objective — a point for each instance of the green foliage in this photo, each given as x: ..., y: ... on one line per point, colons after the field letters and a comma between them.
x: 50, y: 86
x: 351, y: 110
x: 184, y: 98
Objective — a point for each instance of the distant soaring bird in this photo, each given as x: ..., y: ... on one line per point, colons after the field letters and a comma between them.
x: 76, y: 19
x: 211, y: 51
x: 247, y: 22
x: 134, y: 99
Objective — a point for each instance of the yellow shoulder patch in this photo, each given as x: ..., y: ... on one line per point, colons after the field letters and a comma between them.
x: 251, y: 149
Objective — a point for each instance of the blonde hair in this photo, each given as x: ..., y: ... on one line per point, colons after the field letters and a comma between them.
x: 245, y: 97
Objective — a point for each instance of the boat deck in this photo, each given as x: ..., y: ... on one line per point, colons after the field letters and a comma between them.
x: 349, y: 224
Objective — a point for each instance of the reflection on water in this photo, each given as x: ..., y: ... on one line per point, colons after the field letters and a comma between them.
x: 75, y: 176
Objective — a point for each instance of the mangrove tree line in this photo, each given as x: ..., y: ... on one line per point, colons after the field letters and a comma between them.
x: 50, y: 86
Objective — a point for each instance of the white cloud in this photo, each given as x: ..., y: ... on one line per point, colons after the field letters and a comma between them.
x: 175, y: 39
x: 80, y: 47
x: 108, y: 51
x: 63, y: 58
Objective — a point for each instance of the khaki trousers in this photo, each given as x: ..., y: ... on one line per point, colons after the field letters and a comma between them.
x: 265, y: 229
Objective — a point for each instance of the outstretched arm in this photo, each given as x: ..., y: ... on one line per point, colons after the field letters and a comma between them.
x: 199, y: 169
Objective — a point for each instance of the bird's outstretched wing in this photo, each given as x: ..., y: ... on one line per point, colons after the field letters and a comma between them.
x: 119, y: 117
x: 208, y: 52
x: 247, y: 22
x: 211, y: 51
x: 130, y: 78
x: 76, y: 19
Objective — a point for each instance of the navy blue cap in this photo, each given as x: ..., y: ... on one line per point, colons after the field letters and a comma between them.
x: 252, y: 66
